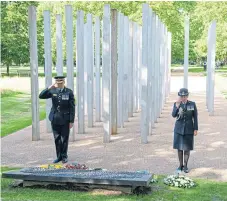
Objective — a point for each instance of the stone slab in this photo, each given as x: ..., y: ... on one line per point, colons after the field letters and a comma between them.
x: 81, y: 187
x: 81, y: 176
x: 77, y: 186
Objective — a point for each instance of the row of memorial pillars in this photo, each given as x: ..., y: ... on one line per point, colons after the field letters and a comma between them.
x: 135, y: 68
x: 155, y: 71
x: 121, y: 61
x: 136, y: 73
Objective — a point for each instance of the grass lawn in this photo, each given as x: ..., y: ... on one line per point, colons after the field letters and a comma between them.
x: 16, y: 111
x: 205, y: 191
x: 225, y: 94
x: 196, y: 70
x: 223, y: 69
x: 13, y: 71
x: 199, y: 69
x: 182, y: 65
x: 224, y: 74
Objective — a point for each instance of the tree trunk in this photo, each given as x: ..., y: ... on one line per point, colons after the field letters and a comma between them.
x: 8, y: 69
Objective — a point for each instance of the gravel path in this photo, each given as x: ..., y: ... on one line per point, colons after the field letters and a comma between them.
x: 125, y: 152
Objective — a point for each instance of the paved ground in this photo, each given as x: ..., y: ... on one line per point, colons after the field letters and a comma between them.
x: 125, y: 152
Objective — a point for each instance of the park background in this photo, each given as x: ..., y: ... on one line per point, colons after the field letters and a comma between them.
x: 15, y: 44
x: 15, y: 69
x: 14, y: 24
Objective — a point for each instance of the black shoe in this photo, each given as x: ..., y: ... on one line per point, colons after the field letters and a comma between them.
x: 57, y: 160
x: 64, y: 160
x: 180, y: 168
x: 186, y: 170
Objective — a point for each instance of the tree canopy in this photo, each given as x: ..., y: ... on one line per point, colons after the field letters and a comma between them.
x: 14, y: 25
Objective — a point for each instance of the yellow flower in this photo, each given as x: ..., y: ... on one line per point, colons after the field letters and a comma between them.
x: 44, y: 166
x: 58, y: 166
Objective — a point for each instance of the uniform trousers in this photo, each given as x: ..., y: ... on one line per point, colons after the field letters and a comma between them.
x: 61, y: 138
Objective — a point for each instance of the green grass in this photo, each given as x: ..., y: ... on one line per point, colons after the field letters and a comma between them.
x: 225, y: 93
x: 16, y: 111
x: 223, y: 69
x: 199, y: 69
x: 205, y: 191
x: 176, y: 65
x: 54, y: 74
x: 13, y: 71
x: 196, y: 70
x: 10, y: 93
x: 181, y: 65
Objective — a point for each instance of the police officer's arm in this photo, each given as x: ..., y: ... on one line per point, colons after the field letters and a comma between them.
x: 71, y: 107
x: 195, y: 118
x: 45, y: 94
x: 175, y: 110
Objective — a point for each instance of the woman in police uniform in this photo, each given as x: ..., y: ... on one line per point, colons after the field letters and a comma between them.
x: 186, y: 127
x: 62, y: 115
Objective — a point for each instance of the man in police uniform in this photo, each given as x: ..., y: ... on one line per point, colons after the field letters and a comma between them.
x: 186, y: 127
x: 62, y: 115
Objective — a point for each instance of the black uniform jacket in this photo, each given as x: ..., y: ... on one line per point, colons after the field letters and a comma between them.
x: 62, y: 102
x: 188, y: 122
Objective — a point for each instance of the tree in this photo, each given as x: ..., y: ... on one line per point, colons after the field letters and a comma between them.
x: 14, y: 40
x: 14, y: 15
x: 205, y: 13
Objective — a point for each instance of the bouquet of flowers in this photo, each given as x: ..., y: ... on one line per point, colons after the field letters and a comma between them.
x: 65, y: 166
x: 76, y: 166
x: 51, y: 166
x: 179, y: 181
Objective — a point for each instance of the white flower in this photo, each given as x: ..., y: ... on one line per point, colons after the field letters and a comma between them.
x: 179, y: 181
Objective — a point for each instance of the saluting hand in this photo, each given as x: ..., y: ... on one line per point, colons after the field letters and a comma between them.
x: 178, y: 102
x: 52, y: 86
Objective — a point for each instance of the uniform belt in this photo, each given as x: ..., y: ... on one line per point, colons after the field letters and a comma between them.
x: 58, y: 111
x: 61, y: 112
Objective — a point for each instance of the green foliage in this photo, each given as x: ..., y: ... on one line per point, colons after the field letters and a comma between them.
x: 206, y: 12
x: 225, y: 94
x: 14, y: 19
x: 14, y: 32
